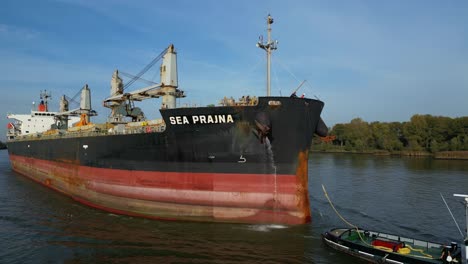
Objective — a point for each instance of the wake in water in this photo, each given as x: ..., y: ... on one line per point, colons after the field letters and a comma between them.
x: 265, y: 228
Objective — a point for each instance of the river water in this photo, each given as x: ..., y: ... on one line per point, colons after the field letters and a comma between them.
x: 389, y: 194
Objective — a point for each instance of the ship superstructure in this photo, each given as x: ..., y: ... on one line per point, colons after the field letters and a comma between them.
x: 40, y: 120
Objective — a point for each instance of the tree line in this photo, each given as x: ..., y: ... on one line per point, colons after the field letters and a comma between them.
x: 422, y: 133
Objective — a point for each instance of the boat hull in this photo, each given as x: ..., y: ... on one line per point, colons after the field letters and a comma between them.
x: 366, y: 248
x: 219, y: 172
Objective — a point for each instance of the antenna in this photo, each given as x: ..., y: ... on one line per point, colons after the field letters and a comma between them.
x: 300, y: 85
x: 465, y: 252
x: 268, y: 47
x: 44, y: 95
x: 466, y: 210
x: 450, y: 211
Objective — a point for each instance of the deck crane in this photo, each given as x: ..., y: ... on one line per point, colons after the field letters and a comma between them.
x: 121, y: 102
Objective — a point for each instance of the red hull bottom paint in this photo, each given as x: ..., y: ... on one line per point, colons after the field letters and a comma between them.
x: 248, y: 198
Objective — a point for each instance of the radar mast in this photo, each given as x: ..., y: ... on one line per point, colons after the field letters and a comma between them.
x: 269, y: 46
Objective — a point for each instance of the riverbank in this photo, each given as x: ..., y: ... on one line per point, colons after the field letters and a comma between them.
x: 463, y: 155
x: 450, y: 155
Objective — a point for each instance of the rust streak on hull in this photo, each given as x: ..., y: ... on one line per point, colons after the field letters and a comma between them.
x: 302, y: 188
x: 232, y: 197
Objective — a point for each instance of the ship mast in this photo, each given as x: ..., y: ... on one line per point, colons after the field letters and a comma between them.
x: 44, y: 96
x: 268, y: 47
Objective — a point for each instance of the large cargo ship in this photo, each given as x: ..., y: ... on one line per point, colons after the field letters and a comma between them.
x: 242, y: 161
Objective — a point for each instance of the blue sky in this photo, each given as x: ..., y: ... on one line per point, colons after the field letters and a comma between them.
x: 378, y: 60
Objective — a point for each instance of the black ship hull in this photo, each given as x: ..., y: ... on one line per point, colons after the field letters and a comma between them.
x: 227, y: 164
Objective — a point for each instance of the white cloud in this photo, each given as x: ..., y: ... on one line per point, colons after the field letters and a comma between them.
x: 20, y: 33
x: 363, y: 59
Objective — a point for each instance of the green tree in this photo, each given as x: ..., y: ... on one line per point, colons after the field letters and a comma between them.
x: 459, y: 129
x: 339, y: 132
x: 438, y: 133
x: 415, y: 133
x: 357, y: 135
x: 421, y: 133
x: 385, y: 136
x: 456, y: 143
x: 396, y: 130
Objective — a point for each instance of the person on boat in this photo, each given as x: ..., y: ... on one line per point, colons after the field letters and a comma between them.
x: 293, y: 95
x: 444, y: 252
x: 448, y: 252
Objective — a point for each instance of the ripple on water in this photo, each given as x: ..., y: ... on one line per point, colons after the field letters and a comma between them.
x: 383, y: 194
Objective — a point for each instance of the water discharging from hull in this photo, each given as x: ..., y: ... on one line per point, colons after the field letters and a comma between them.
x: 271, y: 160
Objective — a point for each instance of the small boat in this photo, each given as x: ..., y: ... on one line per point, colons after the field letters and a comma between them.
x: 378, y: 247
